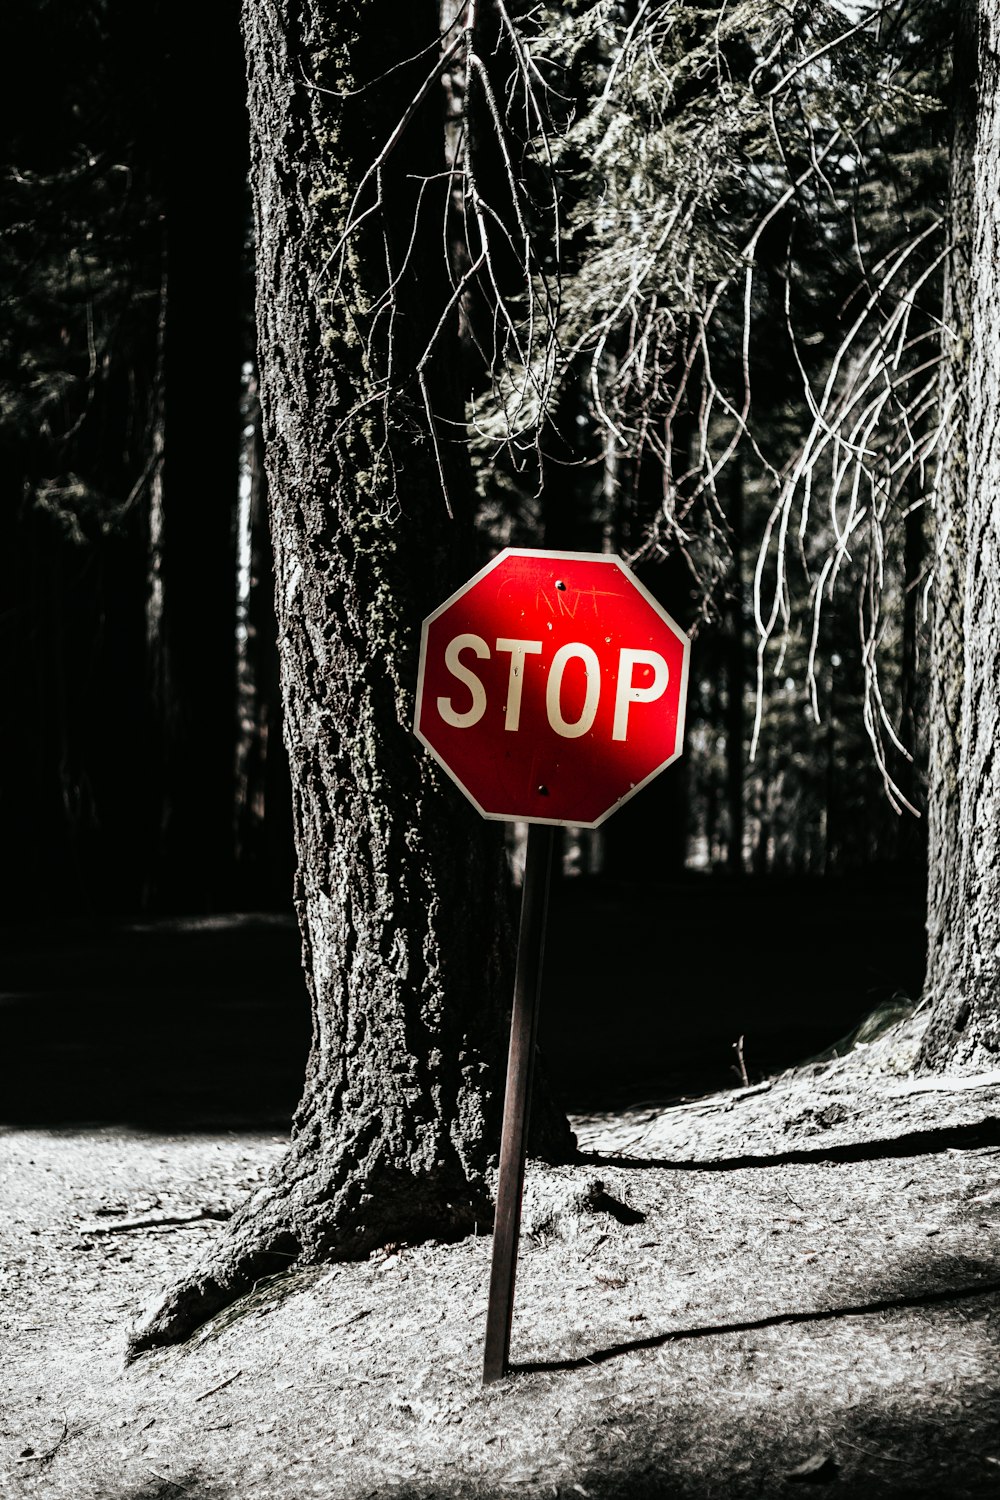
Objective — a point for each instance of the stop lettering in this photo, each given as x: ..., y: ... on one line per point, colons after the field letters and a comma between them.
x: 551, y: 687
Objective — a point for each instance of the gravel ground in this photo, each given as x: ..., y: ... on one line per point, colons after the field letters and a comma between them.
x: 700, y: 1312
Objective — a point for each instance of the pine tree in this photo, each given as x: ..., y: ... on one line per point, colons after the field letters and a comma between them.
x: 399, y: 890
x: 963, y: 977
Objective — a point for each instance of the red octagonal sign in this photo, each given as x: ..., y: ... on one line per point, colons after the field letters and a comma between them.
x: 552, y: 687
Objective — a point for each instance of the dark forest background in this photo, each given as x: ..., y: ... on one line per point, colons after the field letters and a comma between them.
x: 143, y: 774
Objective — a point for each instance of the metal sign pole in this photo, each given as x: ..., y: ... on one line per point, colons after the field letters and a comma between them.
x: 517, y: 1098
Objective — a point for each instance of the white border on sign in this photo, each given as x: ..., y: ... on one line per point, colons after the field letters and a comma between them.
x: 601, y: 557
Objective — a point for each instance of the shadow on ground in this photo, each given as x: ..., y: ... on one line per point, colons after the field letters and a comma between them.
x: 204, y: 1023
x: 647, y: 986
x: 962, y: 1288
x: 175, y: 1025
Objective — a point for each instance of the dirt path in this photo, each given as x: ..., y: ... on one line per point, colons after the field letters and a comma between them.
x: 703, y: 1310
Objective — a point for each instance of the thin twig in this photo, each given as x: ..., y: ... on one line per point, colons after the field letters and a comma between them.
x: 220, y: 1387
x: 50, y: 1453
x: 742, y: 1071
x: 156, y: 1221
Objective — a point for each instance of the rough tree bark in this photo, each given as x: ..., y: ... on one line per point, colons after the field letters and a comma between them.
x: 946, y: 651
x: 964, y: 852
x: 399, y: 889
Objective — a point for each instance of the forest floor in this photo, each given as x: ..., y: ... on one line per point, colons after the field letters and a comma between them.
x: 795, y: 1284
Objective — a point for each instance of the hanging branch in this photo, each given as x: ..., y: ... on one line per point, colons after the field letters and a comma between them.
x: 612, y: 190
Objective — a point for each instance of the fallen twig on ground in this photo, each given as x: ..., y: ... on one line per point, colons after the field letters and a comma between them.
x: 50, y: 1453
x: 157, y: 1221
x: 220, y: 1387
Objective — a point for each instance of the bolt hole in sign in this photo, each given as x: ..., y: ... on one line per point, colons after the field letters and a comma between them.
x: 552, y: 687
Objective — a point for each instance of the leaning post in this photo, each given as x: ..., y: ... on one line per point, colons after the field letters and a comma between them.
x: 551, y: 688
x: 517, y: 1098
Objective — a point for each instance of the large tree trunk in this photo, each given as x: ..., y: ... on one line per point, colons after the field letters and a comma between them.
x: 399, y: 891
x: 964, y: 854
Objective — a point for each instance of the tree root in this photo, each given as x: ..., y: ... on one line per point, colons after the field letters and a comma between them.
x: 310, y: 1214
x: 229, y: 1274
x: 334, y: 1199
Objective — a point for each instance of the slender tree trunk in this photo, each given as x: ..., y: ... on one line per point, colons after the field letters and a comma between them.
x: 762, y: 849
x: 964, y: 857
x: 157, y: 671
x: 647, y: 839
x: 830, y: 821
x: 947, y: 635
x: 399, y: 888
x: 735, y: 678
x: 205, y: 205
x: 265, y: 844
x: 912, y: 832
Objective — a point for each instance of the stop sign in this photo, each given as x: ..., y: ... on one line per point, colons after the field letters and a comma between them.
x: 551, y: 687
